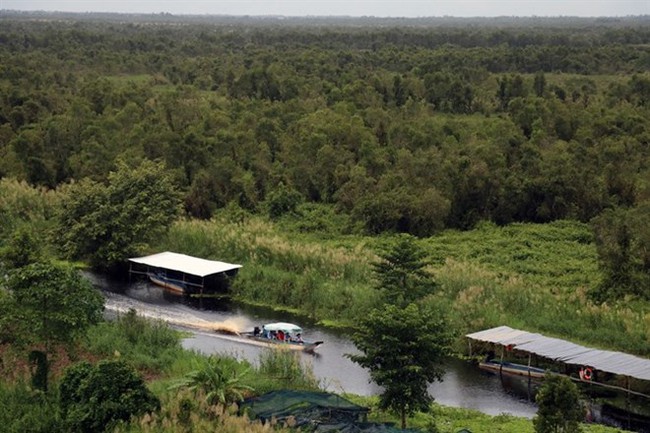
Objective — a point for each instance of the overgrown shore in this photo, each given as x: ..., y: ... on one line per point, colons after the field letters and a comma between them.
x: 514, y: 151
x: 527, y: 276
x: 154, y: 349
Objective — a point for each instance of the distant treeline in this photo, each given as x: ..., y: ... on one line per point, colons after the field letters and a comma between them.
x: 403, y: 125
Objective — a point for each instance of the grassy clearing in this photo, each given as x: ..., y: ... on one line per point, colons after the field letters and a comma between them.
x: 444, y: 419
x: 530, y: 276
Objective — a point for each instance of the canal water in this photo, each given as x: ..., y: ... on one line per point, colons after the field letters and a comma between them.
x: 463, y: 385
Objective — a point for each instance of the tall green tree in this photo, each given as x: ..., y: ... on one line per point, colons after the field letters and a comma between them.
x: 403, y: 348
x: 52, y: 304
x: 401, y: 272
x: 559, y: 410
x: 622, y: 237
x: 109, y: 223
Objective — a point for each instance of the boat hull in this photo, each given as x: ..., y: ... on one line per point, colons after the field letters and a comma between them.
x: 168, y: 285
x: 307, y: 346
x: 512, y: 369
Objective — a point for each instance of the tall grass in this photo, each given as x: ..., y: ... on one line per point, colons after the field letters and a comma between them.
x: 147, y: 345
x: 24, y: 410
x: 283, y: 369
x: 442, y: 419
x: 529, y: 276
x: 184, y: 413
x: 315, y: 278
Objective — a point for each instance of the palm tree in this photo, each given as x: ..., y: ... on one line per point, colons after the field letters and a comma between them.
x: 219, y: 378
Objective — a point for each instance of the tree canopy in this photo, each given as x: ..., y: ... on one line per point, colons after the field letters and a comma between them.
x: 48, y: 305
x: 404, y: 348
x: 397, y: 125
x: 109, y: 223
x: 401, y: 274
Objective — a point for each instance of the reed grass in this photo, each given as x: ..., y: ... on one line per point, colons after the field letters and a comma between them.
x: 283, y: 369
x: 149, y: 346
x: 529, y: 276
x: 25, y: 410
x: 183, y: 412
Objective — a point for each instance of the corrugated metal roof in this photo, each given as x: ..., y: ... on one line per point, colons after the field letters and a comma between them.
x: 184, y: 263
x: 567, y: 352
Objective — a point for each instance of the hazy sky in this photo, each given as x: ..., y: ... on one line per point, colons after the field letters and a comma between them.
x: 379, y: 8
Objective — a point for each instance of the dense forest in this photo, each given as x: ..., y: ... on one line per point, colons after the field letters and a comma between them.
x: 400, y: 125
x: 505, y: 159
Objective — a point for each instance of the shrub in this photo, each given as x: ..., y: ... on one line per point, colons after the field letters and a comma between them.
x: 95, y: 398
x: 560, y: 410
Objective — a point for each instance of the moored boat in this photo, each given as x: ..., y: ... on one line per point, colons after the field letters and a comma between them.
x: 504, y: 367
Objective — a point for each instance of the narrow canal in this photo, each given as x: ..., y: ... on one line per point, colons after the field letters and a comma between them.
x: 463, y: 385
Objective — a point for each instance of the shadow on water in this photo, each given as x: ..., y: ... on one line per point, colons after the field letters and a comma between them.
x: 464, y: 385
x: 599, y: 407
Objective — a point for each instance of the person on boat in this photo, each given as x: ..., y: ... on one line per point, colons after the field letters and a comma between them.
x: 256, y: 331
x: 299, y: 338
x: 281, y: 335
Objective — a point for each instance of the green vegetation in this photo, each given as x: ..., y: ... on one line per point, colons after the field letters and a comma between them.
x: 218, y: 379
x: 517, y: 156
x: 560, y: 410
x: 403, y: 344
x: 107, y: 224
x: 400, y: 273
x: 94, y: 398
x: 450, y: 420
x: 529, y: 276
x: 25, y: 410
x: 403, y: 348
x: 48, y: 305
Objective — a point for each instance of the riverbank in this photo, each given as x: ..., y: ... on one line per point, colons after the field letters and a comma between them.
x: 531, y: 276
x: 154, y: 349
x: 464, y: 385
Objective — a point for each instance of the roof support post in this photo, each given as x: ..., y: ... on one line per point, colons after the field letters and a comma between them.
x: 501, y: 365
x: 627, y: 402
x: 530, y: 355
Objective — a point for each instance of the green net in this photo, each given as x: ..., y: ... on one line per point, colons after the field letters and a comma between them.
x: 282, y: 404
x: 314, y: 411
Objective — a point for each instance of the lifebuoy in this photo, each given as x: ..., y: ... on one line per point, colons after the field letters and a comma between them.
x: 586, y: 374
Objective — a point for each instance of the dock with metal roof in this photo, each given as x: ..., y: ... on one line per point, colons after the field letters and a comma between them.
x: 568, y: 353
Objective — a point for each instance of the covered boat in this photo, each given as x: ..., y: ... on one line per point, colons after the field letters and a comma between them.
x: 282, y: 334
x: 184, y: 274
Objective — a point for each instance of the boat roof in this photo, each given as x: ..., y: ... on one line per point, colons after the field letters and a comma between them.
x: 282, y: 326
x: 184, y: 263
x: 566, y: 352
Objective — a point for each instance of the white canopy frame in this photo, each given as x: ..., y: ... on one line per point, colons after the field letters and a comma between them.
x: 186, y: 265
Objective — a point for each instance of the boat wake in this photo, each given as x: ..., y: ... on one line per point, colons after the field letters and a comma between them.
x: 180, y: 317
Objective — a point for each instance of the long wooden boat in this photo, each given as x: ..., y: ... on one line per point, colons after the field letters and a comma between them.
x: 504, y: 367
x: 281, y: 335
x: 169, y: 284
